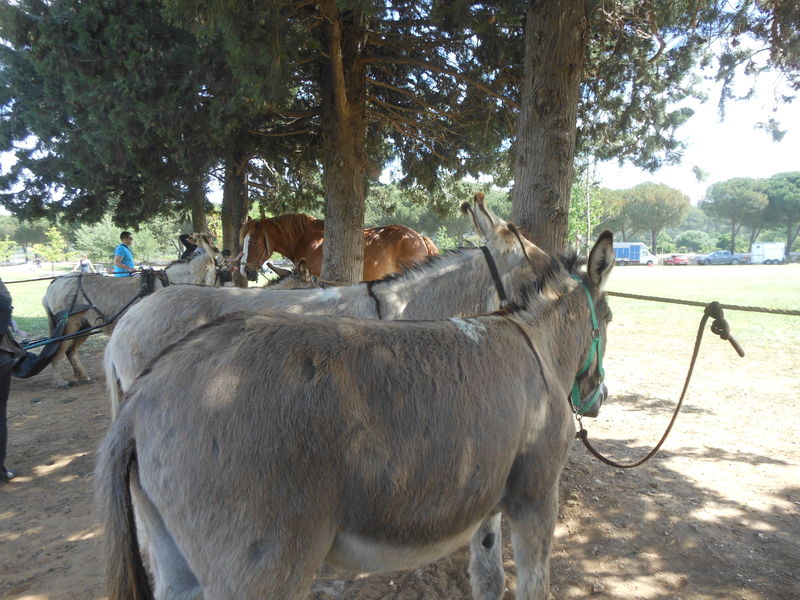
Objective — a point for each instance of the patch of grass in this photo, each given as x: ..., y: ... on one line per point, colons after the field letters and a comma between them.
x: 747, y: 285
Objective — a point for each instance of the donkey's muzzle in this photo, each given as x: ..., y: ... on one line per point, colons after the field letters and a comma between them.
x: 594, y: 409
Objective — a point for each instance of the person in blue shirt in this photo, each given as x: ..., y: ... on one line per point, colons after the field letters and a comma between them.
x: 123, y: 256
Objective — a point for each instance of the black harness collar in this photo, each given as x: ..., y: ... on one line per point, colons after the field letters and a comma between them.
x: 498, y: 284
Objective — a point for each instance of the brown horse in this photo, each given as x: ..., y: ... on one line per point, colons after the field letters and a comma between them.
x: 387, y: 249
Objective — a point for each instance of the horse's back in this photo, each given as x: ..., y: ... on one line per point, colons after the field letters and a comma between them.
x: 391, y: 249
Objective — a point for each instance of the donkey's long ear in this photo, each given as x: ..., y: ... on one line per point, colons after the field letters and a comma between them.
x: 601, y: 259
x: 303, y: 270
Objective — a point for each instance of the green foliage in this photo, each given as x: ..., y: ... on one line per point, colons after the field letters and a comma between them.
x: 664, y: 244
x: 614, y: 215
x: 586, y: 210
x: 693, y: 240
x: 783, y: 210
x: 434, y: 213
x: 55, y: 249
x: 153, y: 240
x: 736, y: 201
x: 7, y: 249
x: 653, y: 207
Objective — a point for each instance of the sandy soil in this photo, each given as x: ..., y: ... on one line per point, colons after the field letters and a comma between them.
x: 714, y: 516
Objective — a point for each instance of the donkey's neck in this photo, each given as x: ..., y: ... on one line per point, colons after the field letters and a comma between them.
x: 454, y: 284
x: 559, y: 322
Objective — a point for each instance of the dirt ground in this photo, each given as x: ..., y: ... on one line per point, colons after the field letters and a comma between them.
x: 714, y: 516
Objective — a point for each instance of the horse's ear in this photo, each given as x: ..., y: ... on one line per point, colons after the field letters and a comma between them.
x: 601, y: 259
x: 303, y: 270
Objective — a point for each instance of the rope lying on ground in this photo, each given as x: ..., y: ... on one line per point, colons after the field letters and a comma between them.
x: 760, y: 309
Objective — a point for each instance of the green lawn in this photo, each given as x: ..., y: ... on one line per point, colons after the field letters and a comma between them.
x: 658, y: 325
x: 27, y: 297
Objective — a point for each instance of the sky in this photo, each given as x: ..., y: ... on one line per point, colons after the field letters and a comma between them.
x: 727, y: 149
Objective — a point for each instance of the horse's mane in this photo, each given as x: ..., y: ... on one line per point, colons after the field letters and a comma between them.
x: 293, y: 225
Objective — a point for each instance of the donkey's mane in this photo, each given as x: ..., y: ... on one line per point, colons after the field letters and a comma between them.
x: 429, y: 262
x: 553, y: 277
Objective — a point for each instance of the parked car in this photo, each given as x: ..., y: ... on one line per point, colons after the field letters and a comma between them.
x: 722, y: 257
x: 676, y: 259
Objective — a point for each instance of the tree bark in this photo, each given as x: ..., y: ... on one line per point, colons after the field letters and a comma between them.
x: 555, y: 45
x: 196, y: 196
x: 235, y: 205
x: 343, y: 106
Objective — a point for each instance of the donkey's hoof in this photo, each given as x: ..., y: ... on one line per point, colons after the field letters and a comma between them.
x: 86, y: 380
x: 64, y: 385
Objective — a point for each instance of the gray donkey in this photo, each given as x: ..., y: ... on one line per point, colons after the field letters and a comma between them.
x: 367, y: 445
x: 454, y: 284
x: 101, y: 298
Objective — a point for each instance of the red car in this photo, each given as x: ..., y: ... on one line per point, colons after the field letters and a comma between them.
x: 676, y: 259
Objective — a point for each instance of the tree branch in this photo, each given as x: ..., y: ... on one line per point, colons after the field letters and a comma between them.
x: 403, y: 60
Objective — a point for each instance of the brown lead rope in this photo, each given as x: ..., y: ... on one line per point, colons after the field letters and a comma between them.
x: 722, y: 329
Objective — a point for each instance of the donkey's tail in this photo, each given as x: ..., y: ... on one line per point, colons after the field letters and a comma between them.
x: 112, y: 381
x: 127, y: 577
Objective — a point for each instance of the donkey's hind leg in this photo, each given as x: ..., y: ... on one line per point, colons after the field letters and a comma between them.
x: 172, y: 576
x: 56, y: 365
x: 532, y: 530
x: 486, y: 560
x: 278, y: 563
x: 77, y: 366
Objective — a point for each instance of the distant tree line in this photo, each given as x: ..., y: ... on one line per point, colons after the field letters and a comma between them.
x: 767, y: 209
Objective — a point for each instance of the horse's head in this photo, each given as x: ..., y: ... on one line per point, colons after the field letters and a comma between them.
x: 255, y: 247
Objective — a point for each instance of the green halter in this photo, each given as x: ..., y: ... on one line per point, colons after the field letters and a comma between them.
x: 578, y: 406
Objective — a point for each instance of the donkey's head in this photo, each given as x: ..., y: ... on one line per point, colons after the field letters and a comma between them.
x: 222, y: 273
x: 298, y: 278
x: 589, y: 390
x: 517, y: 258
x: 255, y: 247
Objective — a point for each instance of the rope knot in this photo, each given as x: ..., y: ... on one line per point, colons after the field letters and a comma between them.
x: 720, y: 326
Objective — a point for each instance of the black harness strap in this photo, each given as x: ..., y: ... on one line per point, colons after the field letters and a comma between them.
x: 375, y: 299
x: 498, y: 284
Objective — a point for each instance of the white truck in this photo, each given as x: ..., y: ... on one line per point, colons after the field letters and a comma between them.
x: 633, y: 253
x: 767, y: 253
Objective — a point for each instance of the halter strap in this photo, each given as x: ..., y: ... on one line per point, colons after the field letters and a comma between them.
x: 498, y: 284
x: 596, y: 348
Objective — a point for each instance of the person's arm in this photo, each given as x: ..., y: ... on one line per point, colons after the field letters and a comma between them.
x: 76, y: 267
x: 118, y: 263
x: 91, y: 267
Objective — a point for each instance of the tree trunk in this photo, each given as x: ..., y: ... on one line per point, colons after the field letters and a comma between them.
x: 734, y: 232
x: 235, y: 205
x: 343, y: 80
x: 196, y: 197
x: 555, y: 44
x: 791, y: 236
x: 653, y: 238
